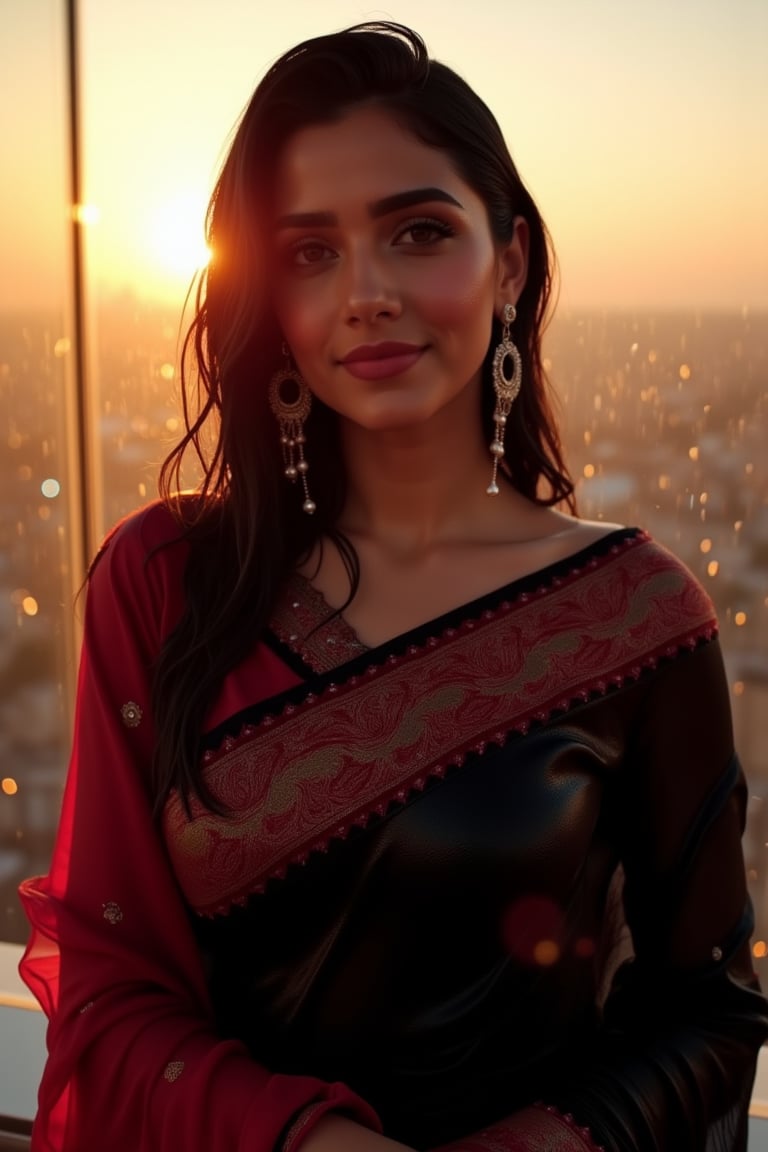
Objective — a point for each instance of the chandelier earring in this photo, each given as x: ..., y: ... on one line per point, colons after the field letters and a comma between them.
x: 291, y: 400
x: 507, y: 389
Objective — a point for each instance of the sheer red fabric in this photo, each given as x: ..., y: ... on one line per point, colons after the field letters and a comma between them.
x: 134, y: 1059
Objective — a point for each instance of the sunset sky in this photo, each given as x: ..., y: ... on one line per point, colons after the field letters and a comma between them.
x: 640, y: 128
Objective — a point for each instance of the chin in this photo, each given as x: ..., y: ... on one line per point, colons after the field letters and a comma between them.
x: 397, y: 413
x: 394, y: 421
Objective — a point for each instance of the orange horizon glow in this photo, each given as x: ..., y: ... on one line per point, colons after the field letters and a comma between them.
x: 638, y: 132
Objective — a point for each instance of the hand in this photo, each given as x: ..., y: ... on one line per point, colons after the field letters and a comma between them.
x: 334, y: 1133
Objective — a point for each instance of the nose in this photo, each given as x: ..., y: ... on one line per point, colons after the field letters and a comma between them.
x: 370, y: 291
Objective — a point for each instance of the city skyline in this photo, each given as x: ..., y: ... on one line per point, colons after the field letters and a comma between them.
x: 663, y: 422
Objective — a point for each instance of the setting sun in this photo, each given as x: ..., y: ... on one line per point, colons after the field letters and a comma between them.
x: 608, y: 209
x: 176, y: 238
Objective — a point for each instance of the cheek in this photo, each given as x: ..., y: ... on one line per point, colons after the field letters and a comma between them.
x: 303, y: 316
x: 460, y: 294
x: 462, y: 312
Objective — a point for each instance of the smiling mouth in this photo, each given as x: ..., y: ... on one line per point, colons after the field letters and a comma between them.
x: 381, y: 361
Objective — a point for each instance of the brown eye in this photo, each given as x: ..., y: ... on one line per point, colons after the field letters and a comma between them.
x: 423, y: 232
x: 310, y: 252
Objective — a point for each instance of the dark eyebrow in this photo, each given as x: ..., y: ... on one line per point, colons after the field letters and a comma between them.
x: 408, y: 199
x: 377, y: 209
x: 307, y: 220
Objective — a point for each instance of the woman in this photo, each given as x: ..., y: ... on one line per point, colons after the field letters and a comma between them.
x: 370, y: 736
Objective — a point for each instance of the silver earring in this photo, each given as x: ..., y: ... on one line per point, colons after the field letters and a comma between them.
x: 290, y: 416
x: 506, y: 389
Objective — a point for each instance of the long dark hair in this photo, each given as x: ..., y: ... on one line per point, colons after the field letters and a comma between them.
x: 246, y: 529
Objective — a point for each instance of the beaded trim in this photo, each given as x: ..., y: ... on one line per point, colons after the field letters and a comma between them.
x: 332, y: 759
x: 582, y: 1131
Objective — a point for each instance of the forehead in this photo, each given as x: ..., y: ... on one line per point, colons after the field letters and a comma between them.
x: 363, y: 157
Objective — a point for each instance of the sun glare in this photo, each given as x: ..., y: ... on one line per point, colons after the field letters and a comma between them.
x: 176, y: 237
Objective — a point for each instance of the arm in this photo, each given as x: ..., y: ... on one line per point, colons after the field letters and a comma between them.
x: 334, y: 1133
x: 134, y: 1059
x: 684, y: 1020
x: 672, y: 1066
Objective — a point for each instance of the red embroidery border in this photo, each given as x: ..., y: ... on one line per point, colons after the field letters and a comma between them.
x: 309, y: 775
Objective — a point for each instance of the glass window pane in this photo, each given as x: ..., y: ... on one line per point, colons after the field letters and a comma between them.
x: 664, y: 415
x: 38, y: 533
x: 663, y: 408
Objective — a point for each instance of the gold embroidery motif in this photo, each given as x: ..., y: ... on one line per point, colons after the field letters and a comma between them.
x: 173, y: 1070
x: 86, y: 1007
x: 132, y: 714
x: 112, y: 912
x: 315, y: 770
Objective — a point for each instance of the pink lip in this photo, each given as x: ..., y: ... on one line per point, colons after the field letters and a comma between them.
x: 380, y: 361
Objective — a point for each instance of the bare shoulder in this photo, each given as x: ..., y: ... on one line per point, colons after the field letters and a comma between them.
x: 587, y: 531
x: 569, y: 534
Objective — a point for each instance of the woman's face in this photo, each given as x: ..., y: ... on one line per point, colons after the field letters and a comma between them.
x: 387, y: 275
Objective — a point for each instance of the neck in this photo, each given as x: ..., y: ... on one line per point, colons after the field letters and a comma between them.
x: 412, y: 489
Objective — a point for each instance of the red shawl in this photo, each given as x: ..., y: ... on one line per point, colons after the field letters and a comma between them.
x: 134, y: 1060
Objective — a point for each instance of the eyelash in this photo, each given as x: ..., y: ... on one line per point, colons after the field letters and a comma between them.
x: 303, y: 246
x: 428, y: 223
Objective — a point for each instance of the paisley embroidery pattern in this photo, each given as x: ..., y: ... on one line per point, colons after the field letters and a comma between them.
x: 361, y: 742
x: 304, y: 622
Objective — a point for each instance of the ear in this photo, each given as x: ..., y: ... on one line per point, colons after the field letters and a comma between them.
x: 512, y: 266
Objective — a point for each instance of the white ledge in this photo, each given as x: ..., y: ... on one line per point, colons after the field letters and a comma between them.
x: 13, y: 991
x: 22, y: 1039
